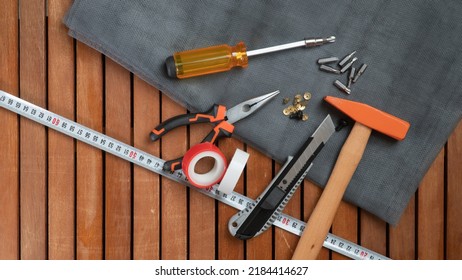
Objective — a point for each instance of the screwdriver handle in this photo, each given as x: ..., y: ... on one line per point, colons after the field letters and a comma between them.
x: 223, y: 129
x: 205, y: 61
x: 215, y: 114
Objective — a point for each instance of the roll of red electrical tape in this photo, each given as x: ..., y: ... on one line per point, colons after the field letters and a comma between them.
x: 198, y: 152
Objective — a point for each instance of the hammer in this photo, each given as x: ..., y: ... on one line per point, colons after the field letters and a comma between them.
x: 366, y: 118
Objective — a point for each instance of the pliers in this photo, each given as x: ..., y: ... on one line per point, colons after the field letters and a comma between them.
x: 219, y: 115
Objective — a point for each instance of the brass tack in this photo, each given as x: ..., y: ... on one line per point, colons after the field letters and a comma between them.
x: 297, y: 98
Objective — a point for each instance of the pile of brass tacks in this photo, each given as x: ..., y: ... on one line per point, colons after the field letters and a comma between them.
x: 295, y: 111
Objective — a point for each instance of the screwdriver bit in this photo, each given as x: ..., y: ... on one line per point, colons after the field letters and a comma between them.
x: 346, y: 58
x: 348, y: 65
x: 329, y: 69
x: 342, y: 87
x: 360, y: 72
x: 327, y: 60
x: 351, y: 76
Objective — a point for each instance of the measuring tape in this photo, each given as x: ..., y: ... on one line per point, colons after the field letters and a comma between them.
x: 154, y: 164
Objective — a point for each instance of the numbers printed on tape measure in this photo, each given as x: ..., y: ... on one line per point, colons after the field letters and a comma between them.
x: 152, y: 163
x: 347, y: 248
x: 76, y: 131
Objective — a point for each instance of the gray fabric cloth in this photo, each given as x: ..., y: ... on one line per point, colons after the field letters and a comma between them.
x: 412, y: 49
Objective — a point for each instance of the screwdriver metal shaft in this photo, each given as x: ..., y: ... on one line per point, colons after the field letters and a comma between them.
x: 311, y: 42
x: 222, y: 58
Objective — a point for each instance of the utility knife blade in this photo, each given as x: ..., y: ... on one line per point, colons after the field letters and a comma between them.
x: 261, y: 214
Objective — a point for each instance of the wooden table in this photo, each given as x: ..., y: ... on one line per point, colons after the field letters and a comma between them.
x: 61, y: 199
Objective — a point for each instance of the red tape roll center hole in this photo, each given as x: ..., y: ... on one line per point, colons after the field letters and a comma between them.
x: 197, y: 153
x: 204, y: 165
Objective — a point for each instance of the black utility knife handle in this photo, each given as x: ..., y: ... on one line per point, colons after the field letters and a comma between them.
x: 223, y: 129
x: 262, y: 210
x: 215, y: 114
x: 258, y: 216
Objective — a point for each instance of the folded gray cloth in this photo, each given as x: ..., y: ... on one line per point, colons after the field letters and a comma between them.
x: 412, y: 49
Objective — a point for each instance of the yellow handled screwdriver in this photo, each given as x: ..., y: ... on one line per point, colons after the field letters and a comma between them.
x: 222, y: 58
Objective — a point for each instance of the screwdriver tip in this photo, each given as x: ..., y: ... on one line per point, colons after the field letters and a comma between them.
x: 313, y: 42
x: 330, y: 39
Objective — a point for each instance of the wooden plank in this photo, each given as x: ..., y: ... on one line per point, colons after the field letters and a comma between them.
x: 33, y: 163
x: 311, y: 195
x: 345, y: 225
x: 286, y: 242
x: 229, y: 247
x: 402, y: 236
x: 259, y: 174
x: 89, y: 160
x: 146, y: 184
x: 430, y: 212
x: 173, y: 195
x: 118, y: 171
x: 61, y: 150
x: 454, y: 195
x: 373, y: 233
x: 202, y: 212
x: 9, y: 138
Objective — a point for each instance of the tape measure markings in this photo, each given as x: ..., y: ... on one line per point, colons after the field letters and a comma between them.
x: 154, y: 164
x: 296, y: 226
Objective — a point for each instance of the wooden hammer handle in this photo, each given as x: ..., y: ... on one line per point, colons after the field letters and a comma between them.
x: 321, y: 219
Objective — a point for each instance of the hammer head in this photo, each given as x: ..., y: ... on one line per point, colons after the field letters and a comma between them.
x: 371, y: 117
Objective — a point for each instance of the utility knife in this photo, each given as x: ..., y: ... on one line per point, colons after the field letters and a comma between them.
x: 261, y: 214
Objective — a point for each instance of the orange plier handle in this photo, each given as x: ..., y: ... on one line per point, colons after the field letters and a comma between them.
x: 217, y: 115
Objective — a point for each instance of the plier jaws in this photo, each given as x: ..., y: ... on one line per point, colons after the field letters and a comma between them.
x: 248, y: 107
